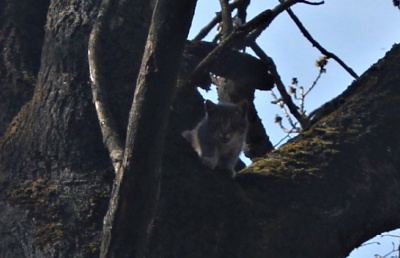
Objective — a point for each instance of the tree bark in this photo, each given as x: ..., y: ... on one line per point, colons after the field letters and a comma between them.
x: 22, y: 31
x: 136, y: 188
x: 54, y: 171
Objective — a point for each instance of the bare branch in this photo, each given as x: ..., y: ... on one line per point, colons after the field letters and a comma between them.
x: 218, y: 17
x: 239, y: 34
x: 241, y: 14
x: 259, y: 23
x: 111, y: 138
x: 301, y: 96
x: 321, y: 71
x: 294, y: 129
x: 204, y: 31
x: 304, y: 122
x: 281, y: 140
x: 312, y: 3
x: 308, y: 36
x: 281, y: 104
x: 227, y: 25
x: 242, y: 10
x: 396, y: 3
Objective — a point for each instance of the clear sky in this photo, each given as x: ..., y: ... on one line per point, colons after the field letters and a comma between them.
x: 359, y: 32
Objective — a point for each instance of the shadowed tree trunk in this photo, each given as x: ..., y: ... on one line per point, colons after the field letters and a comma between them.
x: 136, y: 188
x: 55, y: 188
x: 320, y: 195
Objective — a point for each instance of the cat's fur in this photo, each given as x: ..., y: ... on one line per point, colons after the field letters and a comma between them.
x: 219, y: 137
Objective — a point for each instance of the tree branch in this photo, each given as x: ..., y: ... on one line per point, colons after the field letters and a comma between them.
x: 227, y: 25
x: 304, y: 122
x: 218, y: 17
x: 242, y: 10
x: 240, y: 33
x: 134, y: 199
x: 204, y: 31
x: 231, y: 64
x: 308, y: 36
x: 259, y: 23
x: 111, y: 138
x: 312, y: 3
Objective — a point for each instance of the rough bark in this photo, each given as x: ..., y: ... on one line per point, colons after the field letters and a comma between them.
x: 21, y: 36
x: 136, y: 188
x: 54, y: 170
x: 52, y: 165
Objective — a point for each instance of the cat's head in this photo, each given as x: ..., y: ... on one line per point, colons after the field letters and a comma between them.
x: 227, y: 121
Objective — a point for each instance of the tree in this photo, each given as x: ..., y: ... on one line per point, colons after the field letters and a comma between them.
x: 126, y: 225
x: 320, y: 195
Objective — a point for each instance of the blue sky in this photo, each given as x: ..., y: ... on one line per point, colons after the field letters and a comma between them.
x: 359, y: 32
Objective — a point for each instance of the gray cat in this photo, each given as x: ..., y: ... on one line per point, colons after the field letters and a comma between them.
x: 219, y: 137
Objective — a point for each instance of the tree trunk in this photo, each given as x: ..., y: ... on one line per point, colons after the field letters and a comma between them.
x: 54, y: 171
x: 320, y: 195
x: 136, y: 188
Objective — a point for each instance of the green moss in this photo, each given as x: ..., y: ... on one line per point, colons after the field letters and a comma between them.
x: 305, y: 154
x: 37, y: 195
x: 34, y: 192
x: 92, y: 247
x: 50, y: 233
x: 14, y: 125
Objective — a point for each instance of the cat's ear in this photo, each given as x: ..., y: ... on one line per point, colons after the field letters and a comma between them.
x: 210, y: 106
x: 187, y: 135
x: 243, y: 107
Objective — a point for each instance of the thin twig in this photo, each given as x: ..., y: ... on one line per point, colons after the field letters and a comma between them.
x: 390, y: 235
x: 312, y: 3
x: 308, y: 36
x: 314, y: 83
x: 261, y: 26
x: 218, y: 17
x: 280, y: 103
x: 304, y: 122
x: 301, y: 99
x: 204, y: 31
x: 287, y: 136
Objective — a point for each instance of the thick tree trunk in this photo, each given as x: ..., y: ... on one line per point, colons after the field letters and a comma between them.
x: 54, y: 171
x: 52, y: 163
x: 136, y: 188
